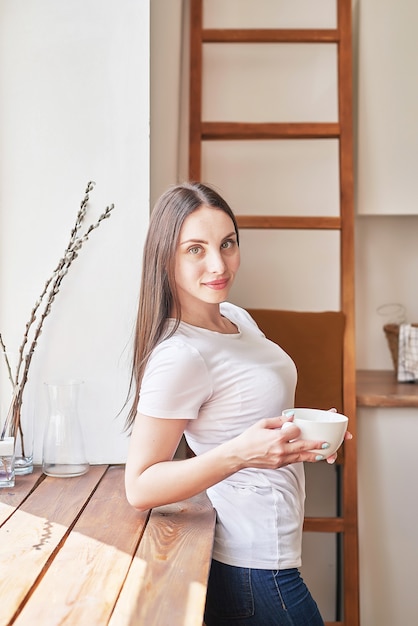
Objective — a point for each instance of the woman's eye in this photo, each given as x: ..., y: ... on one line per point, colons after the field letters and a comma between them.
x: 229, y: 243
x: 194, y: 250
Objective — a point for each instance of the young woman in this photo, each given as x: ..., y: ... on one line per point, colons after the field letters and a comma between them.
x: 203, y: 368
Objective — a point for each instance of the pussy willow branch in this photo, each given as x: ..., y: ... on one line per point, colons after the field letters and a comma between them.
x: 71, y: 255
x: 42, y: 308
x: 62, y: 262
x: 9, y: 369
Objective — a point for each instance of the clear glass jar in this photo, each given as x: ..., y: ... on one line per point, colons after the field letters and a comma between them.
x: 7, y: 469
x: 21, y: 404
x: 63, y: 449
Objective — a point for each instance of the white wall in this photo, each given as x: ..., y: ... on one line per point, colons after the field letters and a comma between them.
x: 386, y: 184
x: 388, y: 100
x: 388, y: 467
x: 74, y: 82
x: 386, y: 272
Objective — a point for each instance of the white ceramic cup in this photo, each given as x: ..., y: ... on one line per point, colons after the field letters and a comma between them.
x: 320, y: 425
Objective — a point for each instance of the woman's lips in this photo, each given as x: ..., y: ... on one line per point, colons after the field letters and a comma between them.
x: 217, y: 284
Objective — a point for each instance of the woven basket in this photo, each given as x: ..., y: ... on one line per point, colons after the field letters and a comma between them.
x: 392, y: 336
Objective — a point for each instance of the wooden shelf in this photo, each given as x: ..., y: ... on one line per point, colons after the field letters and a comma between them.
x: 380, y: 388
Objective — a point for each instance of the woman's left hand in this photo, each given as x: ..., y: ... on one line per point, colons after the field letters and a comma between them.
x: 331, y: 459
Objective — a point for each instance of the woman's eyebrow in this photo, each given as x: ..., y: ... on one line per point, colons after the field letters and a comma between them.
x: 193, y: 240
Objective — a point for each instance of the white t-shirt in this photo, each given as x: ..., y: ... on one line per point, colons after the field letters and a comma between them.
x: 224, y: 383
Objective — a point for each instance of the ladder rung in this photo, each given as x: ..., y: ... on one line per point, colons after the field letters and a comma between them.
x: 289, y: 222
x: 324, y: 524
x: 269, y: 35
x: 269, y: 130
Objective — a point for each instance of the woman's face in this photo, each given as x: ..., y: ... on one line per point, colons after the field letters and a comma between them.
x: 207, y: 258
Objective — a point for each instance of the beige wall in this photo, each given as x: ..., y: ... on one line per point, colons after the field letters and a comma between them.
x: 386, y: 272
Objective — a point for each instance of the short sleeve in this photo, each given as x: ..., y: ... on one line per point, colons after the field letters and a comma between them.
x: 176, y: 382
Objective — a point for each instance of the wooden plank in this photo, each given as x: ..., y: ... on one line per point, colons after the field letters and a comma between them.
x: 323, y: 524
x: 269, y: 130
x: 288, y: 222
x: 195, y: 89
x: 83, y: 582
x: 12, y: 497
x: 345, y: 115
x: 350, y: 562
x: 269, y: 35
x: 174, y: 555
x: 33, y: 533
x: 381, y: 388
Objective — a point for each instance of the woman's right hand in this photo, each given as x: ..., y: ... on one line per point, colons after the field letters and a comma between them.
x: 272, y: 443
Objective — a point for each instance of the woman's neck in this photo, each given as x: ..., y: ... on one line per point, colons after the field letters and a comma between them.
x: 210, y: 319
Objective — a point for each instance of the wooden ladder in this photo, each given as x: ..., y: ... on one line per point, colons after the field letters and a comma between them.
x: 201, y: 131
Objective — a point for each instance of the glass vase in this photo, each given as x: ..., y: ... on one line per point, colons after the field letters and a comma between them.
x: 17, y: 407
x: 24, y: 442
x: 7, y: 469
x: 63, y: 448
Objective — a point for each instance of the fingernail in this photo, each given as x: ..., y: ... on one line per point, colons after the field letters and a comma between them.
x: 325, y: 446
x: 319, y: 457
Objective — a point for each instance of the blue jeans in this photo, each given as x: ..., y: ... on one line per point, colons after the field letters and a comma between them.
x: 238, y: 596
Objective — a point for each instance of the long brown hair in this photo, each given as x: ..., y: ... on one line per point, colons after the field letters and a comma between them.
x: 158, y: 294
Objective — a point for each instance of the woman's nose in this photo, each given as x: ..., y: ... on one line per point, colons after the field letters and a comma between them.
x: 216, y: 263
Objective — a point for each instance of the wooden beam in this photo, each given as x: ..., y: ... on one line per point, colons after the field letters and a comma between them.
x: 269, y: 35
x: 324, y: 525
x: 288, y: 222
x: 269, y: 130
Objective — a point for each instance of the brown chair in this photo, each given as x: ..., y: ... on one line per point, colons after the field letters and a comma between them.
x: 314, y: 340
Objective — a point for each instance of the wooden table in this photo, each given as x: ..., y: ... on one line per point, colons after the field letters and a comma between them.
x: 74, y: 552
x: 381, y: 388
